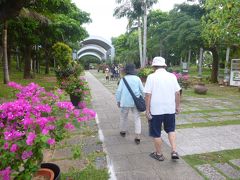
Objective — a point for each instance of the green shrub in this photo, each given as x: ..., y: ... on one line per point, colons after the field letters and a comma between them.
x: 144, y: 72
x: 62, y: 54
x: 71, y: 70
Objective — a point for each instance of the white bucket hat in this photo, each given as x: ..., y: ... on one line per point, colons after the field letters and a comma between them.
x: 158, y: 61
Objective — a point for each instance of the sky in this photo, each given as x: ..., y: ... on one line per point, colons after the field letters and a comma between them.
x: 104, y: 24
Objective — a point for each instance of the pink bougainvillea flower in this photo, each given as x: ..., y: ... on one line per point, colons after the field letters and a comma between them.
x: 69, y: 126
x: 5, y: 147
x: 15, y: 85
x: 82, y: 105
x: 5, y: 173
x: 89, y: 112
x: 30, y: 139
x: 51, y: 141
x: 26, y: 154
x: 14, y: 148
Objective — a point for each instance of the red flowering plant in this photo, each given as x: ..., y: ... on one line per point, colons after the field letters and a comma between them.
x: 32, y: 122
x: 183, y: 79
x: 76, y: 86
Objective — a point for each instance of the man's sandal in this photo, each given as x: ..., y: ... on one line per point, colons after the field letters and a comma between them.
x: 154, y: 155
x: 123, y: 133
x: 174, y: 155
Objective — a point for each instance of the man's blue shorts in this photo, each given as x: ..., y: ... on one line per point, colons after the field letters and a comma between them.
x: 155, y: 124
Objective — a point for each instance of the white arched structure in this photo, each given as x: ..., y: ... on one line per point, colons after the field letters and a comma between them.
x: 90, y: 54
x: 97, y: 45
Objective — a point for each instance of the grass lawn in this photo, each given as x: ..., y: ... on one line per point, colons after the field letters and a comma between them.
x: 46, y: 81
x: 212, y: 158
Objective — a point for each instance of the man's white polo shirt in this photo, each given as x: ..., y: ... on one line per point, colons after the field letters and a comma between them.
x: 162, y: 85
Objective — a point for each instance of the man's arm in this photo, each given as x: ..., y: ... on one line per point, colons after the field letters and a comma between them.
x: 177, y: 102
x: 147, y: 101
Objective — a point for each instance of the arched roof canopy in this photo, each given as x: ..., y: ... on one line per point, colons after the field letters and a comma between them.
x: 92, y: 48
x: 98, y: 41
x: 90, y: 54
x: 101, y: 43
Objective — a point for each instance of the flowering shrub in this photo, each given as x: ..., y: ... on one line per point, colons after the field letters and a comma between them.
x: 183, y: 80
x: 76, y: 86
x: 144, y: 72
x: 71, y: 70
x: 34, y: 121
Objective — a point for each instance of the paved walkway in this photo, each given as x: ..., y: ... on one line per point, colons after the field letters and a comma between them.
x: 128, y: 160
x: 207, y: 139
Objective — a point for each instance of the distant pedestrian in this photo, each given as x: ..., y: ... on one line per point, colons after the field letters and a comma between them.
x: 162, y: 98
x: 126, y: 103
x: 107, y: 74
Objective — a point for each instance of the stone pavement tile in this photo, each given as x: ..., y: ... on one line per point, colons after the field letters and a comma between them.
x: 105, y: 125
x: 67, y: 165
x: 111, y: 140
x: 236, y: 162
x: 142, y: 161
x: 122, y: 165
x: 146, y: 147
x: 101, y: 162
x: 228, y: 170
x: 91, y: 148
x: 230, y: 112
x: 64, y: 153
x: 176, y: 170
x: 209, y: 171
x: 120, y: 149
x: 147, y: 174
x: 181, y: 122
x: 197, y: 120
x: 223, y: 118
x: 72, y: 141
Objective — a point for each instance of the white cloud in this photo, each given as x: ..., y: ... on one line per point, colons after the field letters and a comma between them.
x: 104, y: 24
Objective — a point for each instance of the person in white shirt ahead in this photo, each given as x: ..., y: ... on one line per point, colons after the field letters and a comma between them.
x: 162, y: 96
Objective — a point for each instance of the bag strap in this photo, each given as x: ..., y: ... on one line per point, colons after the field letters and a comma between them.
x: 129, y: 89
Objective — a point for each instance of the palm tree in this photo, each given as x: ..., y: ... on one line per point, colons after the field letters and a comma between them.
x: 135, y: 10
x: 130, y: 10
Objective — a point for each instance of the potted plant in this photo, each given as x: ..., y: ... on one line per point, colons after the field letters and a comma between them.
x: 32, y: 122
x: 183, y: 80
x: 76, y: 88
x: 144, y: 72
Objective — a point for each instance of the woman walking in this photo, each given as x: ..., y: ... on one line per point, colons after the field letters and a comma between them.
x: 125, y: 101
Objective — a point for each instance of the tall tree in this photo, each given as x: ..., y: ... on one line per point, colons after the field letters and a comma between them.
x: 136, y: 10
x: 8, y: 9
x: 221, y: 27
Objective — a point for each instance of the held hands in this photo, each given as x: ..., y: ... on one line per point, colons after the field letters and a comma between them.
x: 148, y: 115
x: 177, y: 110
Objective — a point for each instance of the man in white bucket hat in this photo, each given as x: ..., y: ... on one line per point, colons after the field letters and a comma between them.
x: 162, y: 96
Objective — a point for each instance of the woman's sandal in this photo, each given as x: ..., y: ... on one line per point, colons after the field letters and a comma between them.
x: 137, y: 140
x: 154, y: 155
x: 174, y: 155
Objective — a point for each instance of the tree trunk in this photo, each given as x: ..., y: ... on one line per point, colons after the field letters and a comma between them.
x: 27, y: 62
x: 189, y: 57
x: 200, y: 62
x: 6, y: 78
x: 214, y: 74
x: 140, y: 42
x: 46, y: 60
x: 18, y: 60
x: 226, y: 69
x: 1, y: 52
x: 145, y: 34
x: 9, y: 59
